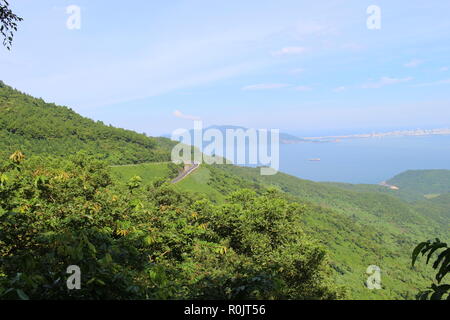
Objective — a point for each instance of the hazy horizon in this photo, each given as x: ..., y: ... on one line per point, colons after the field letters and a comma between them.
x: 293, y: 65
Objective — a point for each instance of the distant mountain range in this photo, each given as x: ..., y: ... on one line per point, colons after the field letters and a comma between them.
x: 35, y: 127
x: 398, y: 133
x: 358, y: 225
x: 285, y: 138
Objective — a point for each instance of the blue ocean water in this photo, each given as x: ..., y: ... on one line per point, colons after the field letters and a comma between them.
x: 365, y: 160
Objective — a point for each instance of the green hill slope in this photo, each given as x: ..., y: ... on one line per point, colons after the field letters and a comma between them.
x: 437, y: 208
x: 359, y: 225
x: 149, y: 172
x: 358, y: 228
x: 36, y: 127
x: 424, y: 182
x: 414, y: 185
x: 406, y: 195
x: 442, y: 200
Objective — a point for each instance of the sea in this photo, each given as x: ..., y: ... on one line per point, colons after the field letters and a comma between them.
x: 365, y: 160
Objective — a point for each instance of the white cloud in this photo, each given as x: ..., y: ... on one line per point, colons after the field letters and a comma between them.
x: 385, y: 81
x: 305, y: 29
x: 444, y: 69
x: 352, y: 46
x: 179, y: 114
x: 271, y: 86
x: 340, y: 89
x: 303, y: 88
x: 297, y: 70
x: 265, y: 86
x: 289, y: 51
x: 434, y: 83
x: 413, y: 63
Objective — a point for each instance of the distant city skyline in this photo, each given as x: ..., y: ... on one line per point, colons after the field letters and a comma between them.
x: 305, y: 68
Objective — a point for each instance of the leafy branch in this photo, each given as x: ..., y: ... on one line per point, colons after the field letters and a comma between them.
x: 8, y: 23
x: 441, y: 264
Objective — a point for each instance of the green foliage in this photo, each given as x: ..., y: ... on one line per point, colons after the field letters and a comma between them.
x: 135, y: 242
x: 405, y: 195
x: 8, y: 23
x: 36, y: 128
x: 266, y: 233
x: 197, y: 185
x: 58, y: 215
x: 149, y: 172
x: 441, y: 264
x: 358, y: 228
x: 423, y: 182
x: 358, y: 224
x: 136, y: 236
x: 437, y: 208
x: 174, y: 169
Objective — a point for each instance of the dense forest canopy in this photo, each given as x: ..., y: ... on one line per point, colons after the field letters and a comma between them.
x: 8, y: 23
x: 36, y: 127
x: 151, y: 243
x: 224, y: 233
x: 77, y: 192
x: 425, y: 182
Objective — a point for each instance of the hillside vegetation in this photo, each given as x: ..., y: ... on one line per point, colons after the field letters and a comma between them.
x: 154, y: 242
x: 148, y: 172
x: 77, y: 192
x: 358, y: 228
x: 423, y: 182
x: 66, y: 198
x: 36, y: 127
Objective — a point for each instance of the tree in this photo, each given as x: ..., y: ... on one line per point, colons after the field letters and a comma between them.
x: 441, y: 264
x: 130, y: 242
x: 8, y: 23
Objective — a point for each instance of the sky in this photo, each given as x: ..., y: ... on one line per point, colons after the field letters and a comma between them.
x: 304, y: 67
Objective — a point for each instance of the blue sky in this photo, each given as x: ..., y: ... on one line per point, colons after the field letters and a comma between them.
x: 305, y: 67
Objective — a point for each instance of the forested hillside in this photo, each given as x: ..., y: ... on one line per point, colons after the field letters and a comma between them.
x: 358, y: 228
x: 424, y: 182
x: 77, y: 192
x: 153, y: 242
x: 36, y: 127
x: 67, y: 199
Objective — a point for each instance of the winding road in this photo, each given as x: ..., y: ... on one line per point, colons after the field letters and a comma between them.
x: 185, y: 173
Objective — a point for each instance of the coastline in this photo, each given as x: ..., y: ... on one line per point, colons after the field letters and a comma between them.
x: 404, y: 133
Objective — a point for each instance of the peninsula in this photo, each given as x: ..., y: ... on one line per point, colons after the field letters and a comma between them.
x: 399, y: 133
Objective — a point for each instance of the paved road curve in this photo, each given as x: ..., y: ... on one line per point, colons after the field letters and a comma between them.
x: 184, y: 173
